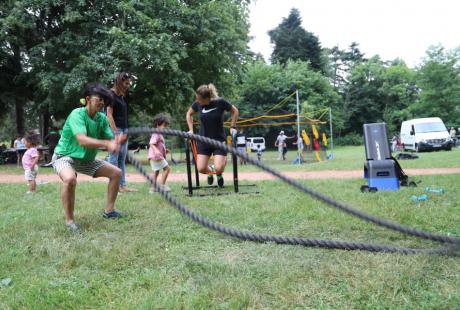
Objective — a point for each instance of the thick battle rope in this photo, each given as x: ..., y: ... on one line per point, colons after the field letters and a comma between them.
x: 453, y: 241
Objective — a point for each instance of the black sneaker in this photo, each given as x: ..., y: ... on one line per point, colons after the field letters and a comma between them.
x: 114, y: 214
x: 220, y: 180
x: 210, y: 176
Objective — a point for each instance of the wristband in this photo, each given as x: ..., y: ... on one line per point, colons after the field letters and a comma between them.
x: 234, y: 127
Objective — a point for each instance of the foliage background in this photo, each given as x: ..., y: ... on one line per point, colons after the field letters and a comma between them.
x: 49, y: 49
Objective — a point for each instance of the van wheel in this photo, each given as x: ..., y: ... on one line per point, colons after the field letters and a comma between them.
x: 449, y: 148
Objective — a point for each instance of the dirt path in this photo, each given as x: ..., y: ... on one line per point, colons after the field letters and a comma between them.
x: 252, y: 176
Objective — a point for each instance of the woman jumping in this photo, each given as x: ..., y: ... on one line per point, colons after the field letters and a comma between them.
x: 211, y: 111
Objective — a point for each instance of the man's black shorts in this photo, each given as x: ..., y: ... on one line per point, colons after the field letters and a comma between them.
x: 207, y: 149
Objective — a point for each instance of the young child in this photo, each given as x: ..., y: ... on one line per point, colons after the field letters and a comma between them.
x: 29, y: 163
x: 157, y: 153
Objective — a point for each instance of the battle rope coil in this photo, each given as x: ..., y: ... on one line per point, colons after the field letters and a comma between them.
x: 451, y: 249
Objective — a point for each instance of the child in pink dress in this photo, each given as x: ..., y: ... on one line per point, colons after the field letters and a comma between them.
x: 157, y: 153
x: 29, y: 163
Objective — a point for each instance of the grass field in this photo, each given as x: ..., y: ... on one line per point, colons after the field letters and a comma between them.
x: 345, y: 158
x: 156, y: 258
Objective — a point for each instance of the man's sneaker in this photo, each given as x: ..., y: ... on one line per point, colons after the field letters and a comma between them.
x: 72, y: 227
x: 114, y: 214
x: 220, y: 180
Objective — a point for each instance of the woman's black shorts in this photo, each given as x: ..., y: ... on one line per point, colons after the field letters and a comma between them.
x: 207, y: 149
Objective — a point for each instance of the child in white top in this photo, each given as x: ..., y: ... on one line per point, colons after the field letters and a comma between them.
x: 157, y: 153
x: 29, y: 163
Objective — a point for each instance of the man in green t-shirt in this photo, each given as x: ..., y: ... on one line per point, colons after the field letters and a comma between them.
x: 85, y: 130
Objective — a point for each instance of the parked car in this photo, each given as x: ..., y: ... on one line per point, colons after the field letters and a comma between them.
x: 425, y: 134
x: 256, y: 144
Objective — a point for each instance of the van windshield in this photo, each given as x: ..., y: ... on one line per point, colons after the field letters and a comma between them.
x: 430, y: 127
x: 258, y: 140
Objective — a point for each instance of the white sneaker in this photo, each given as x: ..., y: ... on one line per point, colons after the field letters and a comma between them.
x: 165, y: 188
x: 73, y: 227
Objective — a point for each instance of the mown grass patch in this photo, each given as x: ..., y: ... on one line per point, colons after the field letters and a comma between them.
x: 158, y: 258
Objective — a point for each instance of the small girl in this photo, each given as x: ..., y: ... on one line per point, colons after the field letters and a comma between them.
x: 157, y: 153
x: 29, y: 163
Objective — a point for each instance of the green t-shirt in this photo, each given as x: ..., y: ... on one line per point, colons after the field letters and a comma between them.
x: 79, y: 122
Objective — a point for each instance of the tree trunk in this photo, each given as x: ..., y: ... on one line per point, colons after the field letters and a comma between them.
x: 19, y: 101
x: 19, y: 109
x: 46, y: 124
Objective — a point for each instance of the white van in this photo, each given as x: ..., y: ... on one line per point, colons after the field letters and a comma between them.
x: 256, y: 144
x: 425, y: 134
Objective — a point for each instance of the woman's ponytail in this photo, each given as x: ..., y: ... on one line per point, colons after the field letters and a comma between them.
x: 213, y: 91
x: 207, y: 91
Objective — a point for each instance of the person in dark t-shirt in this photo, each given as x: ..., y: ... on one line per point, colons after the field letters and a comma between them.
x: 211, y: 109
x: 117, y: 114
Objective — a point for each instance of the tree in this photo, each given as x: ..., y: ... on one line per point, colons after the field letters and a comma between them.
x: 171, y: 46
x: 399, y: 92
x: 265, y: 85
x: 439, y: 82
x: 363, y: 103
x: 379, y: 92
x: 293, y: 42
x: 340, y: 63
x: 335, y: 67
x: 15, y: 86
